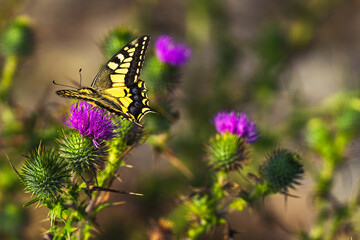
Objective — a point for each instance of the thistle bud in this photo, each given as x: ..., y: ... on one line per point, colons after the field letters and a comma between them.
x: 80, y: 153
x: 115, y: 40
x: 160, y: 77
x: 157, y: 124
x: 282, y: 169
x: 18, y: 38
x: 44, y: 174
x: 226, y: 152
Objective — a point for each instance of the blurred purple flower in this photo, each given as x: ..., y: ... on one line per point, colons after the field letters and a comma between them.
x: 168, y: 51
x: 236, y: 123
x: 251, y: 132
x: 225, y: 122
x: 91, y: 122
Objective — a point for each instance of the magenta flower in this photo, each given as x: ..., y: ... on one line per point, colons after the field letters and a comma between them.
x: 237, y: 124
x: 168, y: 51
x: 225, y: 122
x: 91, y: 122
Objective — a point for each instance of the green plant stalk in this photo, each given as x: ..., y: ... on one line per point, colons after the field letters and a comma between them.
x: 104, y: 179
x: 7, y: 78
x: 85, y: 232
x: 217, y: 187
x: 259, y: 192
x: 106, y: 176
x: 322, y: 193
x: 324, y: 182
x: 318, y: 229
x: 323, y: 187
x: 342, y: 214
x: 217, y: 196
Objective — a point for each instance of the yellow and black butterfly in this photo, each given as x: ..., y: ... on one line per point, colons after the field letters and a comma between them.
x: 117, y: 87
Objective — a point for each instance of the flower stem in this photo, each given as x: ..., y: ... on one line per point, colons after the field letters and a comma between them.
x: 7, y: 77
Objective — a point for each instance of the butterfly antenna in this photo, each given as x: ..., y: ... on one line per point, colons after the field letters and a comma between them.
x: 58, y: 84
x: 80, y: 76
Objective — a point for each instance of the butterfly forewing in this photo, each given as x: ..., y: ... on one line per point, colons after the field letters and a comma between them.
x: 124, y: 68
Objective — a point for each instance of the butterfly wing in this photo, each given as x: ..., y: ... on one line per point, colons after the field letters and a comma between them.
x: 119, y: 83
x: 96, y: 97
x: 124, y: 68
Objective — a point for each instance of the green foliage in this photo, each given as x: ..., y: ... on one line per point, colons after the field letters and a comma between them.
x: 204, y: 215
x: 238, y: 204
x: 12, y: 219
x: 321, y: 139
x: 157, y: 124
x: 329, y: 137
x: 272, y: 45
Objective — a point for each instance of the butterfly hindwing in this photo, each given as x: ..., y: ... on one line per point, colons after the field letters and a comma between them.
x: 139, y: 104
x: 117, y: 87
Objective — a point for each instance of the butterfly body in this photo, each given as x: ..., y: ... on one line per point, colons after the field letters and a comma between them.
x: 117, y: 87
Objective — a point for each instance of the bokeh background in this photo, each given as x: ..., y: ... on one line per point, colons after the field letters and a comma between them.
x: 278, y: 61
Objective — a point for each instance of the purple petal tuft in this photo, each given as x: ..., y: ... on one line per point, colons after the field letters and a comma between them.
x: 236, y: 123
x: 168, y: 51
x: 91, y: 122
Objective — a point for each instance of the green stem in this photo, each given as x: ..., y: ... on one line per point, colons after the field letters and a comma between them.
x: 85, y: 232
x: 104, y: 179
x: 342, y: 214
x: 261, y: 190
x: 7, y: 77
x: 322, y: 194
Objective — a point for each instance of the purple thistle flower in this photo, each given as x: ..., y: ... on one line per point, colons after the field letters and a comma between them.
x: 168, y: 51
x: 91, y: 122
x: 237, y: 124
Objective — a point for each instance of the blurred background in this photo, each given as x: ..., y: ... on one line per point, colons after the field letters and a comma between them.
x: 278, y: 61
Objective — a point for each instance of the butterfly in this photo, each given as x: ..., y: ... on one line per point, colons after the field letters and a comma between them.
x: 117, y: 87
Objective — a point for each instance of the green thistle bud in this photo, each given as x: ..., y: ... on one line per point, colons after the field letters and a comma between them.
x: 226, y: 152
x: 115, y: 40
x: 160, y: 77
x: 18, y: 38
x: 282, y: 169
x: 44, y: 174
x: 80, y: 153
